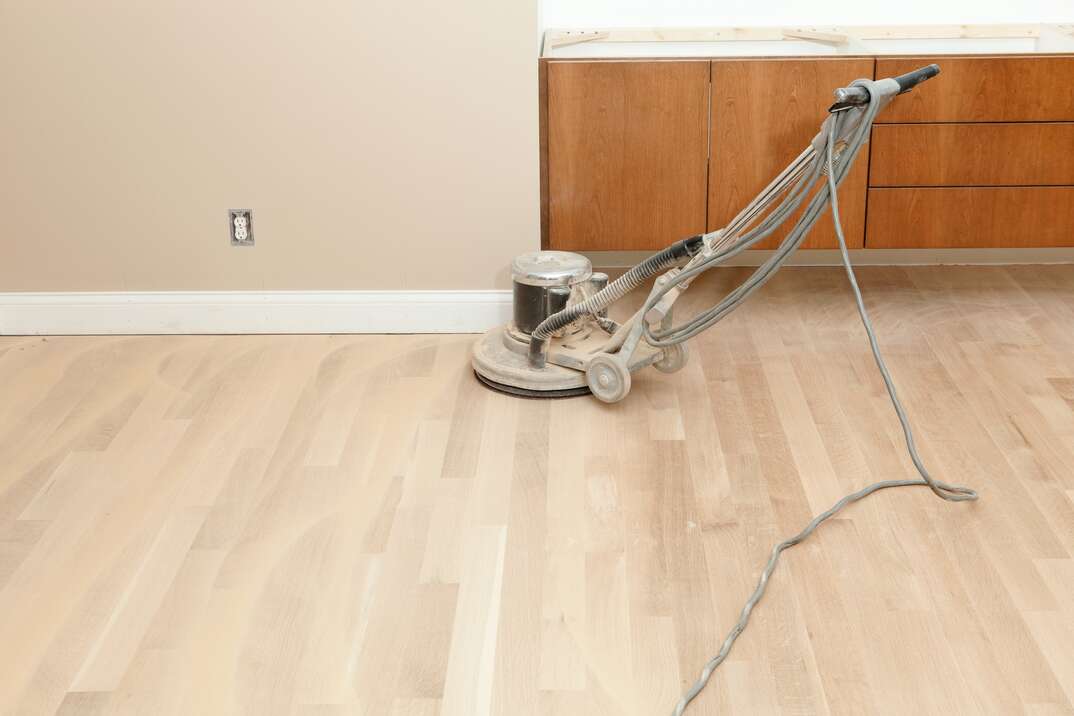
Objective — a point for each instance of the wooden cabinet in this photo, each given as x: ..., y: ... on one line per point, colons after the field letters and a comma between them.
x: 627, y: 146
x: 764, y: 113
x: 639, y: 153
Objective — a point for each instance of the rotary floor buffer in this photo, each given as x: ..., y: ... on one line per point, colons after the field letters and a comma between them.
x: 561, y: 341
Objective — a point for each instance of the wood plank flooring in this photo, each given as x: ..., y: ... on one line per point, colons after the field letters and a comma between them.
x: 327, y: 525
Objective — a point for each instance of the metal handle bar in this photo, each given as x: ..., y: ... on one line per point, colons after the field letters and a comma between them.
x: 852, y: 96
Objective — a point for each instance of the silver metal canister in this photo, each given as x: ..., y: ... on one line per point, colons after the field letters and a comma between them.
x: 544, y: 283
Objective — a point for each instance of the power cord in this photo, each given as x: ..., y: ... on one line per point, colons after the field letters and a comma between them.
x: 951, y: 493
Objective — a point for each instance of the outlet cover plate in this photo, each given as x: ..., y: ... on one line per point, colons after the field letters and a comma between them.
x: 241, y: 226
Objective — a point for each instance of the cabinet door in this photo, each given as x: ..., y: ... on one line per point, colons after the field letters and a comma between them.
x: 626, y: 153
x: 764, y: 113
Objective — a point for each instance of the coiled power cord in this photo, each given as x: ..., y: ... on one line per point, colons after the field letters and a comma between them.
x: 952, y: 493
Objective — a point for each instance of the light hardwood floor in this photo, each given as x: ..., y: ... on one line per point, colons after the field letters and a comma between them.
x: 352, y: 525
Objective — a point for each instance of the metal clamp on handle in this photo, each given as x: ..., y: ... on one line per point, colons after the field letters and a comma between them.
x: 850, y: 97
x: 911, y: 79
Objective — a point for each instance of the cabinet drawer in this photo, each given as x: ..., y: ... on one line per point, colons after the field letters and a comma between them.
x: 984, y: 89
x: 970, y: 217
x: 972, y: 154
x: 627, y: 153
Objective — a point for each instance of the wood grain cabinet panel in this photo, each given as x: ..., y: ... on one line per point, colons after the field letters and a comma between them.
x: 984, y: 89
x: 626, y: 153
x: 971, y: 217
x: 764, y: 113
x: 972, y: 154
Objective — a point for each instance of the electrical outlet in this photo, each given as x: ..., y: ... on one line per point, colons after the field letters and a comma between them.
x: 241, y: 226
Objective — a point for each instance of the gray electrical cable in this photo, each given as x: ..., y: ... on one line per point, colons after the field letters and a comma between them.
x: 664, y: 337
x: 952, y: 493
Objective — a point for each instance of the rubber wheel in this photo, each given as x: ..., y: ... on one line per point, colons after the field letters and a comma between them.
x: 608, y: 378
x: 673, y: 360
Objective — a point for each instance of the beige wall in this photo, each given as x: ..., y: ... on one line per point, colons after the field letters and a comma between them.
x: 381, y: 145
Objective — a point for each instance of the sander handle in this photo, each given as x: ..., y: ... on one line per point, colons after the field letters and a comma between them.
x: 856, y: 96
x: 912, y: 79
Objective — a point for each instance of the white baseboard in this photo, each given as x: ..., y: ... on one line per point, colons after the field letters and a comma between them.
x: 178, y: 312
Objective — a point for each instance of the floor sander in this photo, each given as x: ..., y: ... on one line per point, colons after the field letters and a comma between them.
x: 561, y: 341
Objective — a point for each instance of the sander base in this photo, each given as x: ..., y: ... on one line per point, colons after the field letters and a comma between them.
x: 527, y: 393
x: 508, y: 371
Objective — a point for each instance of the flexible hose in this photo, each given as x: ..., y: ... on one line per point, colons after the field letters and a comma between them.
x: 952, y: 493
x: 608, y: 295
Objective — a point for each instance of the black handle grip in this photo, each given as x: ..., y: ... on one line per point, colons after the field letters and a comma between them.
x: 911, y: 79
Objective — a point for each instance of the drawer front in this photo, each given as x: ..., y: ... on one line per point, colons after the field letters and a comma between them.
x: 970, y: 217
x: 627, y: 153
x: 984, y: 89
x: 972, y: 154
